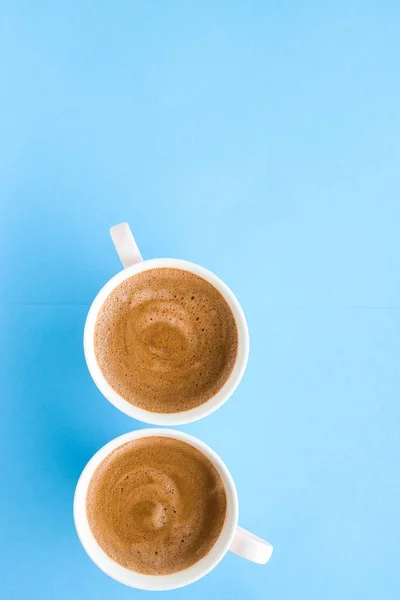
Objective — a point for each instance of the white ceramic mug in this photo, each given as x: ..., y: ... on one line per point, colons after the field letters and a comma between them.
x: 232, y: 537
x: 132, y: 261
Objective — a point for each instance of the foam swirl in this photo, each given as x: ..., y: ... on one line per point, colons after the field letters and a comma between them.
x: 156, y: 505
x: 166, y: 340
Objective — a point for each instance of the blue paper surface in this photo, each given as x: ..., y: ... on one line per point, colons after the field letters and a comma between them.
x: 261, y: 140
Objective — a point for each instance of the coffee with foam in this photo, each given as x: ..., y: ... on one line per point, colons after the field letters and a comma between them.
x: 156, y: 505
x: 166, y: 340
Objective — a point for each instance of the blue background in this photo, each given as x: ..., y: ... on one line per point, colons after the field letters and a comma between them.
x: 261, y: 140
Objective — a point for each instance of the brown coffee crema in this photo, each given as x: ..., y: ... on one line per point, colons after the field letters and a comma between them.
x: 166, y: 340
x: 156, y: 505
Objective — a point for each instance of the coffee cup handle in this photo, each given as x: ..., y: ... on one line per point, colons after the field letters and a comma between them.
x: 250, y: 546
x: 125, y: 245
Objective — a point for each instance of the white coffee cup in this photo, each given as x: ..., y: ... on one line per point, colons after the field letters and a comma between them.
x: 232, y: 537
x: 132, y: 261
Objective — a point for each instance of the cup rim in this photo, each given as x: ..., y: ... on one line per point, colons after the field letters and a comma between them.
x: 155, y: 582
x: 187, y: 416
